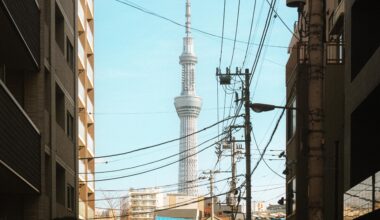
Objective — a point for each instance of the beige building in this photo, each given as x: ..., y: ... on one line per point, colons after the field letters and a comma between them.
x: 38, y: 166
x: 141, y: 203
x: 85, y: 99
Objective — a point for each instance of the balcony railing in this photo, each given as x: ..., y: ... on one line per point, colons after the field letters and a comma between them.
x: 90, y: 39
x: 26, y: 19
x: 362, y: 198
x: 90, y: 6
x: 81, y: 55
x: 335, y: 53
x: 90, y: 145
x: 90, y: 183
x: 81, y: 94
x: 90, y: 75
x: 90, y: 110
x: 20, y: 143
x: 82, y: 170
x: 82, y: 209
x: 81, y: 133
x: 90, y: 213
x: 81, y: 15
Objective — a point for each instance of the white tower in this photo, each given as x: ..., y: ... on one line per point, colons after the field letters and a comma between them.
x: 188, y: 106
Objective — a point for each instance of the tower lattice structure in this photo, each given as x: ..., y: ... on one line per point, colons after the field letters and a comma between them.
x: 188, y: 106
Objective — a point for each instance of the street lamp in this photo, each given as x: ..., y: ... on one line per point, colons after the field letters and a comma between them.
x: 260, y: 107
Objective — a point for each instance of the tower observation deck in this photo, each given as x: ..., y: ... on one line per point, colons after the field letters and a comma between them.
x: 188, y: 106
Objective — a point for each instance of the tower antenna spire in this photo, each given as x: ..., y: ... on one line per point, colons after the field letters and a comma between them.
x: 188, y: 17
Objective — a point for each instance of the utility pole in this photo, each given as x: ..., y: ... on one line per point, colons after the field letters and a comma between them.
x: 211, y: 173
x: 225, y: 79
x: 247, y: 147
x: 315, y: 127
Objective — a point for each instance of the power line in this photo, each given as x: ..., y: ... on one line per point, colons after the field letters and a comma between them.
x: 159, y: 160
x: 282, y: 21
x: 257, y: 146
x: 262, y: 40
x: 250, y: 33
x: 159, y: 144
x: 135, y: 6
x: 221, y: 44
x: 236, y: 30
x: 150, y: 170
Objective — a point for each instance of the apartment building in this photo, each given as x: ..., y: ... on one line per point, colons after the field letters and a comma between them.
x: 351, y: 86
x: 38, y: 169
x: 85, y: 99
x: 141, y: 203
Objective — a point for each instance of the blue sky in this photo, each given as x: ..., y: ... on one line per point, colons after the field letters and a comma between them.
x: 137, y: 76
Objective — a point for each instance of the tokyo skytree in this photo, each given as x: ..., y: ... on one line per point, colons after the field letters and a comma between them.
x: 188, y: 106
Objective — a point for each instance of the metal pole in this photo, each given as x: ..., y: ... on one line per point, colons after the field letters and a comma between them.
x: 247, y: 147
x: 233, y: 183
x: 315, y: 127
x: 212, y: 193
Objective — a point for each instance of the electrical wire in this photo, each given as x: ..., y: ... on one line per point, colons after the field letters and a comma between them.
x: 135, y: 6
x: 159, y: 160
x: 236, y: 31
x: 250, y: 33
x: 150, y: 170
x: 159, y: 144
x: 270, y: 168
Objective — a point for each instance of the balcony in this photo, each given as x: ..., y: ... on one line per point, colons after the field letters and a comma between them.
x: 90, y: 145
x: 82, y: 209
x: 82, y: 170
x: 90, y: 213
x: 21, y: 21
x: 81, y: 133
x: 82, y: 18
x: 90, y: 111
x: 90, y: 7
x: 336, y: 18
x: 90, y: 76
x: 363, y: 198
x: 81, y: 94
x: 81, y: 55
x: 90, y: 184
x: 90, y: 39
x: 20, y: 150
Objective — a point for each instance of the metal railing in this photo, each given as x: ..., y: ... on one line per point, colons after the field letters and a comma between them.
x: 90, y: 74
x: 82, y: 170
x: 335, y: 53
x: 90, y: 37
x: 81, y: 131
x: 90, y: 110
x: 81, y: 93
x: 81, y: 15
x: 362, y: 198
x: 81, y: 55
x: 90, y: 145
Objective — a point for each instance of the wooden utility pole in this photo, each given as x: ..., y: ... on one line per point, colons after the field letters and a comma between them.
x: 211, y: 173
x: 225, y: 79
x: 247, y: 147
x: 316, y: 115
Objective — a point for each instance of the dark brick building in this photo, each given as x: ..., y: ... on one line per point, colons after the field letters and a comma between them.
x: 351, y: 95
x: 38, y: 109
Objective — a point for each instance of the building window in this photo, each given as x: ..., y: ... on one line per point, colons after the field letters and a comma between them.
x: 291, y: 197
x: 70, y: 125
x: 69, y: 53
x: 60, y: 184
x: 291, y: 120
x: 59, y: 107
x: 70, y: 197
x: 59, y: 28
